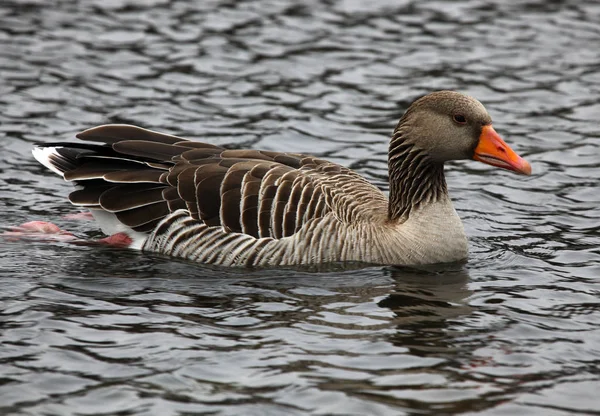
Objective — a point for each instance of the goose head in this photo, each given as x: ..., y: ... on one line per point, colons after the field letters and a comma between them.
x: 448, y: 125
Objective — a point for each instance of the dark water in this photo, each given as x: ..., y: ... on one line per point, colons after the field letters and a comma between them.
x: 515, y: 331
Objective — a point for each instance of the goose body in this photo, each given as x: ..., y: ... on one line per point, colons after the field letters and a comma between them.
x: 260, y: 208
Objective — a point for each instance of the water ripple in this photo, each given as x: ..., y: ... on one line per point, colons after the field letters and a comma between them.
x: 516, y: 330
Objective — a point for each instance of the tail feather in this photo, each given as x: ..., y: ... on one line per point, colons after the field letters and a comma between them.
x: 120, y: 181
x: 58, y: 159
x: 122, y: 172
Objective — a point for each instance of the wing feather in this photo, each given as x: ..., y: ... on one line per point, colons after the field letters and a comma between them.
x: 134, y: 176
x: 141, y: 176
x: 121, y: 198
x: 96, y: 169
x: 143, y: 215
x: 149, y: 150
x: 89, y: 197
x: 114, y: 133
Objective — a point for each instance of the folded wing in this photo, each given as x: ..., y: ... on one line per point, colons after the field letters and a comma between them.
x: 142, y: 176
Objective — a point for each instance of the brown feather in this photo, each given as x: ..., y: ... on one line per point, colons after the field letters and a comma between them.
x: 175, y: 204
x: 289, y: 223
x: 246, y: 154
x: 134, y: 176
x: 250, y: 218
x: 264, y: 216
x: 312, y: 202
x: 308, y: 194
x: 230, y: 210
x: 156, y: 165
x: 260, y: 170
x: 197, y: 145
x: 148, y: 227
x: 277, y: 218
x: 174, y: 172
x: 149, y: 150
x: 122, y: 198
x: 233, y: 179
x: 208, y: 196
x: 114, y: 133
x: 249, y: 204
x: 288, y: 160
x: 228, y: 163
x: 213, y: 221
x: 170, y: 194
x: 199, y: 154
x: 280, y: 202
x: 88, y: 196
x: 143, y: 215
x: 185, y: 184
x: 251, y: 185
x: 292, y: 208
x: 95, y: 169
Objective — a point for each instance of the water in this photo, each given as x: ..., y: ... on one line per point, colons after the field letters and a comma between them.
x: 515, y: 331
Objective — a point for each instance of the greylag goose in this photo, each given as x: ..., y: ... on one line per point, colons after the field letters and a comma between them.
x: 201, y: 202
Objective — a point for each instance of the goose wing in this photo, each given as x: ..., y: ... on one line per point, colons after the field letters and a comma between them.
x: 142, y: 176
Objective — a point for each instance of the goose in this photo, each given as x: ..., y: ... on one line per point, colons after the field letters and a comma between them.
x: 198, y: 201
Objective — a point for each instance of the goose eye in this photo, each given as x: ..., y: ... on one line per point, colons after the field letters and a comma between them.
x: 459, y: 118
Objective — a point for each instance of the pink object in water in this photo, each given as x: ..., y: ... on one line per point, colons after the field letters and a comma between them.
x: 46, y: 231
x: 38, y: 227
x: 38, y: 230
x: 117, y: 240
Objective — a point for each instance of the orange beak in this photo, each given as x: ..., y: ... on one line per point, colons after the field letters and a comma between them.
x: 493, y: 151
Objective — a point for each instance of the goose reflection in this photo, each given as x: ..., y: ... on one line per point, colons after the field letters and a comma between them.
x: 420, y: 305
x: 425, y: 303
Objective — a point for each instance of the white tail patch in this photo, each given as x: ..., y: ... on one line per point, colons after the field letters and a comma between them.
x: 110, y: 225
x: 44, y: 155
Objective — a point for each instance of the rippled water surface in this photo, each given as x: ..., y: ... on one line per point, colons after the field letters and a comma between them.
x: 515, y: 331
